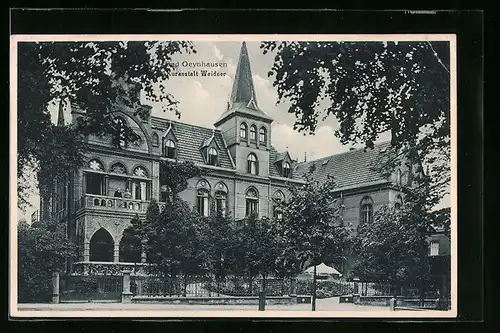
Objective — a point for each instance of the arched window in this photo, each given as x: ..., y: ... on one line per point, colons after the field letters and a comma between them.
x: 170, y: 149
x: 262, y: 135
x: 252, y: 202
x: 202, y: 197
x: 140, y: 171
x: 212, y: 156
x: 119, y: 168
x: 202, y: 202
x: 366, y: 210
x: 287, y: 170
x: 253, y: 133
x: 398, y: 203
x: 96, y: 165
x: 243, y: 131
x: 155, y: 140
x: 278, y: 198
x: 252, y: 164
x: 221, y: 198
x: 409, y: 177
x: 101, y: 246
x: 399, y: 178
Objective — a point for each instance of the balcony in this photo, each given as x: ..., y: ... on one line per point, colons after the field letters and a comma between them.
x: 101, y: 202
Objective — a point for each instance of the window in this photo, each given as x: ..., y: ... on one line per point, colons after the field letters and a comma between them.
x: 139, y: 190
x: 252, y: 202
x: 221, y: 198
x: 96, y: 165
x: 434, y: 248
x: 243, y: 131
x: 119, y: 168
x: 155, y: 140
x: 262, y: 135
x: 95, y: 183
x: 169, y: 149
x: 220, y: 202
x: 252, y: 164
x: 212, y: 156
x: 202, y: 202
x: 278, y: 198
x: 398, y: 177
x: 287, y: 170
x: 253, y: 133
x: 398, y: 203
x: 140, y: 172
x: 366, y: 210
x: 410, y: 176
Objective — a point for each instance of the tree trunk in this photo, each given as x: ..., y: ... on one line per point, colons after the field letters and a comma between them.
x: 314, y: 290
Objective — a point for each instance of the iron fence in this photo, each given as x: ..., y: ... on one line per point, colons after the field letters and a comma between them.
x: 95, y: 288
x: 209, y: 286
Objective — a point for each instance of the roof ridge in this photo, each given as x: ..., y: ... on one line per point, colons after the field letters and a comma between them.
x: 182, y: 123
x: 347, y: 152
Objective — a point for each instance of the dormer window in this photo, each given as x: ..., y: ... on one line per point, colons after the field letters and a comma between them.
x: 212, y: 156
x: 287, y: 170
x: 253, y: 133
x: 252, y: 164
x: 262, y: 135
x: 170, y: 149
x: 243, y: 131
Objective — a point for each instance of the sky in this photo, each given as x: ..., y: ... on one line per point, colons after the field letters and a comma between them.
x: 204, y: 99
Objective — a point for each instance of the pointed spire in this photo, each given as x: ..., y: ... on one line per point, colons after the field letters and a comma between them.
x: 60, y: 114
x: 243, y: 88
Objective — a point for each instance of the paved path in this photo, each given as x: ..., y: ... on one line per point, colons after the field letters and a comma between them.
x: 328, y: 304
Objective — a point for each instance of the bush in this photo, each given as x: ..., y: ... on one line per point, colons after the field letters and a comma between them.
x: 324, y: 288
x: 42, y: 248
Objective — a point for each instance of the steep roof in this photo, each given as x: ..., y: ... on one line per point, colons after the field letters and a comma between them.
x: 243, y: 98
x: 191, y: 138
x: 348, y: 169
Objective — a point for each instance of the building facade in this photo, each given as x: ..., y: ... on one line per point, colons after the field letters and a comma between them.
x: 245, y: 174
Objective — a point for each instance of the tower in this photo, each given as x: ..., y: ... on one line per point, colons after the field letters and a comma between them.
x: 245, y: 126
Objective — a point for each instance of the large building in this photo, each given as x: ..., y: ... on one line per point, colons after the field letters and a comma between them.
x: 245, y: 173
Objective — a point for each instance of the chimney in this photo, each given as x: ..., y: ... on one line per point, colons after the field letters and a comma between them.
x: 305, y: 156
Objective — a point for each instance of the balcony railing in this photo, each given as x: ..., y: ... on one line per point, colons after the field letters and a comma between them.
x: 112, y: 203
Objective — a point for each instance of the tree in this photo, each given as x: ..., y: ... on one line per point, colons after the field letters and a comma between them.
x: 92, y: 76
x: 131, y: 242
x: 175, y: 175
x: 257, y: 249
x: 173, y: 242
x: 221, y: 243
x: 312, y: 225
x: 372, y: 88
x: 42, y: 248
x: 378, y: 247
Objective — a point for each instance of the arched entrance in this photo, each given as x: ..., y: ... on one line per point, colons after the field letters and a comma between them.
x: 101, y: 246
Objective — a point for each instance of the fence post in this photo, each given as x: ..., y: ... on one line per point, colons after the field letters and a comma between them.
x: 126, y: 294
x: 55, y: 287
x: 392, y: 304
